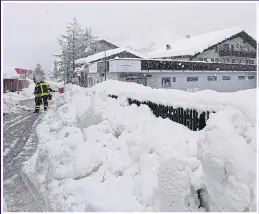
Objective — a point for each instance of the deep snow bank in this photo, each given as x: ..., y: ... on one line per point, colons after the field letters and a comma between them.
x: 11, y: 100
x: 99, y: 154
x: 227, y: 151
x: 204, y: 100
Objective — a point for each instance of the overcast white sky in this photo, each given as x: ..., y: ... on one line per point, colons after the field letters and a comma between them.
x: 31, y: 30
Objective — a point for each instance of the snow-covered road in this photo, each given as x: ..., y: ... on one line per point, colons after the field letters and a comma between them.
x: 19, y: 143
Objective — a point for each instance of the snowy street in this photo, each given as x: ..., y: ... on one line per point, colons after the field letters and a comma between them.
x: 18, y: 146
x: 129, y: 107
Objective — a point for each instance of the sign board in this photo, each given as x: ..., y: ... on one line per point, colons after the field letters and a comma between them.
x: 125, y: 65
x: 21, y: 71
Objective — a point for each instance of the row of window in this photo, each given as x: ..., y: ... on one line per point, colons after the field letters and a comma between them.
x: 231, y: 47
x: 248, y: 62
x: 166, y: 81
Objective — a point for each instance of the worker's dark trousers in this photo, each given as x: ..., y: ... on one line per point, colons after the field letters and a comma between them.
x: 38, y: 102
x: 45, y: 102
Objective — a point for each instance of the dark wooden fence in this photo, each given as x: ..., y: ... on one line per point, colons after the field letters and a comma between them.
x: 187, y: 117
x: 12, y: 85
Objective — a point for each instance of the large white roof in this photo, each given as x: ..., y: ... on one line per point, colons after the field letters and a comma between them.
x: 194, y: 44
x: 104, y: 54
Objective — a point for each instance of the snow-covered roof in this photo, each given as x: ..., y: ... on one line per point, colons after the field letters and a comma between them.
x: 9, y: 72
x: 195, y: 44
x: 105, y: 54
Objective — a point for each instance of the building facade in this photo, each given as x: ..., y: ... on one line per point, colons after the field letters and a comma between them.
x: 187, y: 76
x: 232, y: 46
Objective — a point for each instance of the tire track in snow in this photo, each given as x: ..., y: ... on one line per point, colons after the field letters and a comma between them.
x: 20, y: 144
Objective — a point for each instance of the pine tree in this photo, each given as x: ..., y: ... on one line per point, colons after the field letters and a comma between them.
x: 73, y: 45
x: 38, y: 73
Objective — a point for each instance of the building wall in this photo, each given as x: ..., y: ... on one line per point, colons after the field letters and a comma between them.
x: 220, y: 85
x: 232, y: 85
x: 213, y: 53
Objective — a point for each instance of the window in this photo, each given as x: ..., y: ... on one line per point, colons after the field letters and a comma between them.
x: 216, y: 49
x: 251, y: 77
x: 217, y: 60
x: 192, y: 79
x: 200, y: 59
x: 232, y: 47
x: 212, y: 78
x: 166, y: 82
x: 226, y: 78
x: 233, y: 61
x: 226, y: 47
x: 240, y: 61
x: 224, y: 60
x: 212, y: 59
x: 90, y: 80
x: 249, y: 61
x: 205, y: 59
x: 237, y: 45
x: 227, y: 59
x: 241, y: 77
x: 174, y: 79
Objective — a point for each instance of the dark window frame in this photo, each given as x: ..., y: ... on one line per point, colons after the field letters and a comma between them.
x: 225, y: 46
x: 224, y: 78
x: 163, y: 79
x: 192, y: 79
x: 212, y: 78
x: 241, y: 77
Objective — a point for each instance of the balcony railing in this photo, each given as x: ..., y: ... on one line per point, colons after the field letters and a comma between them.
x: 237, y: 53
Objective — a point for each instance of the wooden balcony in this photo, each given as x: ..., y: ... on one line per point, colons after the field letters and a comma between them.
x: 237, y: 53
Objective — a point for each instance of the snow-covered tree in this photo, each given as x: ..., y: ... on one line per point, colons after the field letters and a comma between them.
x: 73, y: 45
x: 56, y: 72
x: 38, y: 73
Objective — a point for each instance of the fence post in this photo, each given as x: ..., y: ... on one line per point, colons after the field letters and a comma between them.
x: 202, y: 121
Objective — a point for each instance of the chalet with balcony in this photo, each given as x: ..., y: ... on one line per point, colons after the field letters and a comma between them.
x: 231, y: 46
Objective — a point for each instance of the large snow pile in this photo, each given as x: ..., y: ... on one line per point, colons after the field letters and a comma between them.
x: 244, y: 101
x: 100, y: 154
x: 11, y: 100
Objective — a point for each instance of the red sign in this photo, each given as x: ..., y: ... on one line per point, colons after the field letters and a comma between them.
x: 78, y: 74
x: 21, y: 71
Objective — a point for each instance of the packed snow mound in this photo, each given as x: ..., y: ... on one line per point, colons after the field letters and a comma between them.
x: 95, y: 151
x: 227, y: 150
x: 206, y: 100
x: 11, y: 100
